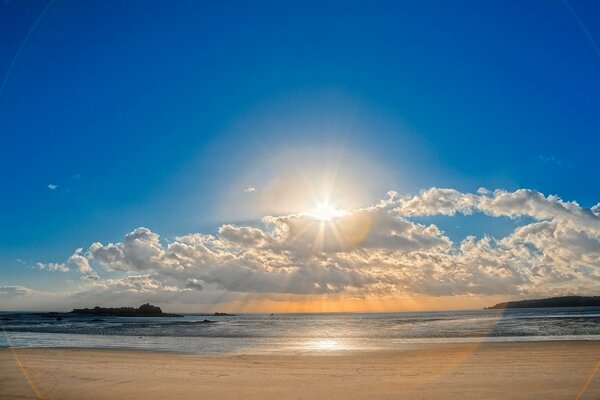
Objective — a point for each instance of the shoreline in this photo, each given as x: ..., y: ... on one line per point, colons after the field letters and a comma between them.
x: 401, y: 346
x: 494, y: 370
x: 312, y: 347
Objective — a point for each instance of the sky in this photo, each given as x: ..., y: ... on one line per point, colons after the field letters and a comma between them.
x: 298, y: 156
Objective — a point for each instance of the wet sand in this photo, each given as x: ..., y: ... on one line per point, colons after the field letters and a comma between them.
x: 539, y: 370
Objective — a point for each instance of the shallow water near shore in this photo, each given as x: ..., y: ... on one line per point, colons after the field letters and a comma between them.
x: 208, y: 334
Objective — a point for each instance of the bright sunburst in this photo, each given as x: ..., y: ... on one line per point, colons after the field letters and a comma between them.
x: 326, y: 212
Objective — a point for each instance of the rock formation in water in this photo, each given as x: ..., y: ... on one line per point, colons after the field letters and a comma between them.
x: 145, y: 310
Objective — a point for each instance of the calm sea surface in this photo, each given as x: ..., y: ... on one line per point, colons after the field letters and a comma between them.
x: 298, y: 332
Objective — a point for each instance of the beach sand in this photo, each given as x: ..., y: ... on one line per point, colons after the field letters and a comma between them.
x: 538, y: 370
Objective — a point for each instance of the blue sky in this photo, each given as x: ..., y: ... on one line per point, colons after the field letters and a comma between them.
x: 161, y: 114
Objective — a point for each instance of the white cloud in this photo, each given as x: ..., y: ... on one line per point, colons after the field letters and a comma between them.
x: 52, y: 186
x: 140, y: 251
x: 596, y: 210
x: 250, y: 189
x: 60, y: 267
x: 80, y: 261
x: 376, y: 250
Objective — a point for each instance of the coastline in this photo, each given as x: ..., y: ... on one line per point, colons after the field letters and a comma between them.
x: 549, y: 369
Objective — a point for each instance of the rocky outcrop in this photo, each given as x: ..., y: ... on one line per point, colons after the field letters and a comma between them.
x: 145, y: 310
x: 565, y: 301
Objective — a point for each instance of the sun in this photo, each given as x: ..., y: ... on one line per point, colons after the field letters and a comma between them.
x: 326, y: 212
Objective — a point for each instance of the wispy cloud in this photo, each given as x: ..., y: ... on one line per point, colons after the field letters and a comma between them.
x: 553, y: 160
x: 13, y: 290
x: 250, y: 189
x: 60, y: 267
x: 52, y: 186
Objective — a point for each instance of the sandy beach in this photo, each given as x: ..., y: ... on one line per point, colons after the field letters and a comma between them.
x: 539, y: 370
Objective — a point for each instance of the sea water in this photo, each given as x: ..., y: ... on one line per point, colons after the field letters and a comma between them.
x: 327, y: 332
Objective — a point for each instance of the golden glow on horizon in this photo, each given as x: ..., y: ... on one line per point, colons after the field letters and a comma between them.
x: 282, y: 303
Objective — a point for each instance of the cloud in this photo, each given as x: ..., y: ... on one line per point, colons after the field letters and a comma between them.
x: 250, y: 189
x: 500, y: 203
x: 596, y: 210
x: 81, y: 262
x: 373, y: 251
x: 60, y: 267
x: 52, y: 186
x: 551, y: 159
x: 13, y: 291
x: 194, y: 284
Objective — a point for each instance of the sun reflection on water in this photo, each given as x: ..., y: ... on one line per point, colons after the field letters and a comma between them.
x: 325, y: 344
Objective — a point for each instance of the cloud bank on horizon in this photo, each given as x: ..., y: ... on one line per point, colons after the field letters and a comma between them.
x: 372, y: 251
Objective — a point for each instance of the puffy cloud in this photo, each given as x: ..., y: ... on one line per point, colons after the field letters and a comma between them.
x: 369, y: 228
x: 436, y: 201
x: 140, y: 251
x: 378, y: 250
x: 500, y: 203
x: 81, y: 262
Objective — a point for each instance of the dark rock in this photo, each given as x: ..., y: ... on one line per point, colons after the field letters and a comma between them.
x: 145, y: 310
x: 565, y: 301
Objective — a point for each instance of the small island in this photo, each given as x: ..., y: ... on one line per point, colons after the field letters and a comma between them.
x: 145, y: 310
x: 565, y: 301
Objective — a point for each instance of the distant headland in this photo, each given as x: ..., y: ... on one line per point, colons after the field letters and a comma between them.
x: 565, y: 301
x: 145, y: 310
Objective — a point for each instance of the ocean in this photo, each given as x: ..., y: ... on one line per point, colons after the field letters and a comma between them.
x: 329, y: 332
